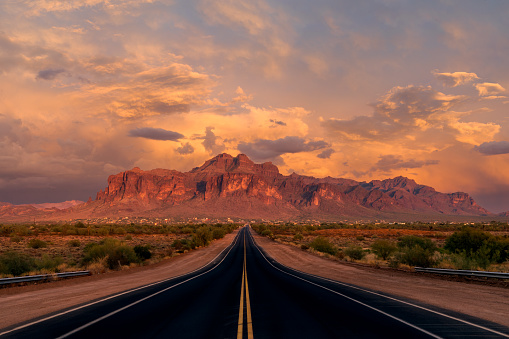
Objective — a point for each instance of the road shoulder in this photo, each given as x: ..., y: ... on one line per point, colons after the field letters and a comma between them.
x: 485, y: 302
x: 20, y: 304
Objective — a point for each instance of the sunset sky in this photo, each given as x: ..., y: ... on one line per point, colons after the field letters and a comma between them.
x: 355, y: 89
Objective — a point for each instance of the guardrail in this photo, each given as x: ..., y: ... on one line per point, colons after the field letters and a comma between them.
x: 483, y: 274
x: 39, y: 277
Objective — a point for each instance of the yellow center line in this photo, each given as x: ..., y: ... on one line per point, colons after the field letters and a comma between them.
x: 248, y: 305
x: 241, y: 309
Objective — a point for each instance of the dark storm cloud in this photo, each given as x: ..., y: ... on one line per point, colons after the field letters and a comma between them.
x: 210, y: 142
x: 493, y: 148
x: 326, y: 154
x: 263, y: 149
x: 391, y: 162
x: 185, y: 149
x: 155, y: 134
x: 278, y: 122
x: 49, y: 74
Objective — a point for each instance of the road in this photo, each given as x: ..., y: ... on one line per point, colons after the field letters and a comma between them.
x: 243, y: 293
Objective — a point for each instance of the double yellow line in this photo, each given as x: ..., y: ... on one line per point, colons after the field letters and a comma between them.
x: 248, y: 305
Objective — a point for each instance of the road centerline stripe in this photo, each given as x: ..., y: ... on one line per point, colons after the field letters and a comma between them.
x: 244, y: 289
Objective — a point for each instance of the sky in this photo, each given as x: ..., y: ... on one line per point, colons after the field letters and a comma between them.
x: 355, y: 89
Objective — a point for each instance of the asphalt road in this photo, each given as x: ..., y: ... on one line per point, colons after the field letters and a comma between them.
x: 243, y: 293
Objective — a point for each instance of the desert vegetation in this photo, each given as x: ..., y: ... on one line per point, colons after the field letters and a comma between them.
x: 53, y: 248
x: 457, y: 246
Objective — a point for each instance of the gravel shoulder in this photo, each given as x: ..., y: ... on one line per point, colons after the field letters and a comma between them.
x: 20, y: 304
x: 487, y: 302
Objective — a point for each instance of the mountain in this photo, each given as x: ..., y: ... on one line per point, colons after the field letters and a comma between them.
x: 227, y: 186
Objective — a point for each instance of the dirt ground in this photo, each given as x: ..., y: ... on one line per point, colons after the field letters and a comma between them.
x: 23, y: 303
x: 486, y: 302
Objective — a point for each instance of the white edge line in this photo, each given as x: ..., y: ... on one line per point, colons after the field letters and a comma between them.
x: 126, y: 292
x: 378, y: 294
x: 347, y: 297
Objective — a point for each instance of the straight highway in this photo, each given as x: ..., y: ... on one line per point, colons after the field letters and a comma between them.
x: 244, y: 293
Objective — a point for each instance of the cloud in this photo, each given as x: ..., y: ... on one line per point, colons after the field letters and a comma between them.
x: 493, y: 148
x: 277, y: 122
x: 401, y: 111
x: 263, y: 149
x: 326, y: 154
x: 185, y: 149
x: 455, y: 79
x: 414, y: 115
x: 49, y: 74
x: 489, y: 89
x: 166, y: 108
x: 391, y: 162
x: 155, y: 134
x: 210, y: 142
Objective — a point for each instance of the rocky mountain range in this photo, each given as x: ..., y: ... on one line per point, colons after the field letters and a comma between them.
x: 227, y: 186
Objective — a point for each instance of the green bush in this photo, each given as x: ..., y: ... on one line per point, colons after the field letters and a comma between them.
x: 116, y: 253
x: 479, y: 246
x: 183, y: 245
x: 298, y: 237
x: 354, y: 252
x: 383, y: 248
x: 203, y: 236
x: 218, y: 233
x: 323, y: 245
x: 16, y: 238
x: 416, y: 256
x: 37, y: 243
x: 74, y: 243
x: 49, y: 263
x: 143, y: 252
x: 267, y: 233
x: 16, y: 263
x: 411, y: 241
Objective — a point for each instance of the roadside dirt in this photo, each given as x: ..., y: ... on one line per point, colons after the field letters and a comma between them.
x: 487, y: 302
x: 23, y: 303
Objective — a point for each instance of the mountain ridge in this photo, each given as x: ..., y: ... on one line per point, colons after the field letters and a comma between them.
x: 227, y: 186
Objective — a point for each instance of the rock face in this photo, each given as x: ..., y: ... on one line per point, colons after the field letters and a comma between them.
x: 236, y: 186
x: 227, y: 186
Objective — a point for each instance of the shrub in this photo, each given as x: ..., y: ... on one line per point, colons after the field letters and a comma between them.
x: 416, y: 256
x: 120, y: 256
x: 183, y: 245
x: 16, y: 263
x: 267, y: 233
x: 113, y: 250
x: 411, y: 241
x: 355, y: 252
x: 143, y: 252
x: 218, y: 233
x: 383, y: 248
x: 298, y: 237
x: 322, y: 244
x: 49, y: 263
x: 74, y: 243
x: 37, y: 243
x: 203, y: 236
x: 16, y: 238
x: 482, y: 247
x: 416, y: 251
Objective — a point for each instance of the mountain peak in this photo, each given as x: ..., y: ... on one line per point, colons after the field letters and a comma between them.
x: 224, y: 162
